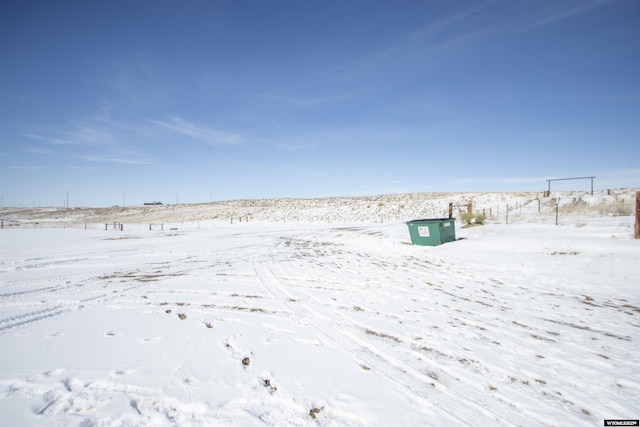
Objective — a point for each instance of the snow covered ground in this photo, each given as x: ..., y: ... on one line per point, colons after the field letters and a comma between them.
x: 321, y: 315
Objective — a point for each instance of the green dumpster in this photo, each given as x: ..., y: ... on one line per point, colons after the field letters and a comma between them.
x: 432, y: 232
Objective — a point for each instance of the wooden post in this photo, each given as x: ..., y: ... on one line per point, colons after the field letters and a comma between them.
x: 470, y: 208
x: 105, y: 227
x: 636, y: 233
x: 149, y: 227
x: 538, y: 205
x: 450, y: 210
x: 507, y: 214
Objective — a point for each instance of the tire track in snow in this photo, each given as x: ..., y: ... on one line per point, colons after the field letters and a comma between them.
x: 470, y: 306
x: 398, y: 363
x: 32, y: 317
x: 409, y: 381
x: 59, y: 300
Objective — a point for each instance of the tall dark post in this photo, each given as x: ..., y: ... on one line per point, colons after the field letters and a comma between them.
x: 450, y: 210
x: 636, y: 233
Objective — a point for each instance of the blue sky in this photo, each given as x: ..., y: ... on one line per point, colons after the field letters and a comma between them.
x: 217, y: 100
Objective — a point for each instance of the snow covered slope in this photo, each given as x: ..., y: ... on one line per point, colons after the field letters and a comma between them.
x: 317, y: 323
x: 384, y: 208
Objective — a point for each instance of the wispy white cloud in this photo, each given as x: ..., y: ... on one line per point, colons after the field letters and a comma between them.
x: 464, y: 26
x: 302, y: 102
x: 452, y: 31
x: 89, y: 133
x: 563, y: 10
x: 93, y: 139
x: 39, y: 150
x: 199, y: 132
x: 24, y: 168
x: 47, y: 139
x: 83, y: 132
x: 109, y: 158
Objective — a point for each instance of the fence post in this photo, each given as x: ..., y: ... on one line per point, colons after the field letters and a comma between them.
x: 507, y: 214
x: 450, y: 210
x: 636, y: 233
x: 470, y: 209
x: 105, y: 227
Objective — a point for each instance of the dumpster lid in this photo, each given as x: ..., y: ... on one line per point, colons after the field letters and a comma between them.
x: 431, y: 220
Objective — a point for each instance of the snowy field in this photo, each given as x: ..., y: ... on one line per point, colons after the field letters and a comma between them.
x: 314, y: 313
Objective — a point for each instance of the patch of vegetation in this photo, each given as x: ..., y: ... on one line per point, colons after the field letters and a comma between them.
x: 269, y: 386
x: 382, y: 335
x: 477, y: 218
x: 315, y: 411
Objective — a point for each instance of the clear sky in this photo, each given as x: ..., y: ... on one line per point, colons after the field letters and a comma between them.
x: 217, y: 100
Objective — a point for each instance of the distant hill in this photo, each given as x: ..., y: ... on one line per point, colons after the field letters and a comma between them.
x: 382, y: 208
